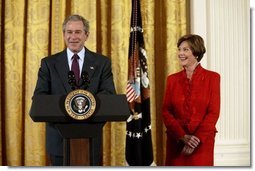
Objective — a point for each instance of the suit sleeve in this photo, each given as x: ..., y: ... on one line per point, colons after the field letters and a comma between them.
x: 172, y: 125
x: 207, y: 126
x: 106, y: 80
x: 43, y: 82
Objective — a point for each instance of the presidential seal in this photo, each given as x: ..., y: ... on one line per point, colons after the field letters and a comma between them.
x: 80, y: 104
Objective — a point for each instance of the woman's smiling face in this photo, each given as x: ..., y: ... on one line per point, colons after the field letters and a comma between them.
x: 185, y: 55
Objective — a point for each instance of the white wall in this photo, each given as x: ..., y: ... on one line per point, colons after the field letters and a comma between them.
x: 225, y: 27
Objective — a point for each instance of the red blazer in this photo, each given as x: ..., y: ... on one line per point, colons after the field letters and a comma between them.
x: 191, y: 107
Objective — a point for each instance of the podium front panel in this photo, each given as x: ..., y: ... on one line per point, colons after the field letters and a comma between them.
x: 50, y: 108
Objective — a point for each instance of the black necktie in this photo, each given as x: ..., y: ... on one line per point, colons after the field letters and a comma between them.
x: 75, y: 67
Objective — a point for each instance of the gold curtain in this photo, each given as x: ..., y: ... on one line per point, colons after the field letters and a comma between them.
x: 32, y: 29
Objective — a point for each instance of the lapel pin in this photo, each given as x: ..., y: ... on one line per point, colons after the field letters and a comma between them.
x: 92, y: 67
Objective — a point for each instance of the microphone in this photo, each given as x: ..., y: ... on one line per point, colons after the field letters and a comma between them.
x: 85, y: 79
x: 71, y: 80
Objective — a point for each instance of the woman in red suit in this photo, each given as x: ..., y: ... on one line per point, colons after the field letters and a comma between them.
x: 191, y: 107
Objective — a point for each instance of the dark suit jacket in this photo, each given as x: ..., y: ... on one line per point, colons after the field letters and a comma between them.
x: 53, y: 79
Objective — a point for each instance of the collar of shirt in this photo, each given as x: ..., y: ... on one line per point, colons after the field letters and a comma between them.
x: 81, y: 54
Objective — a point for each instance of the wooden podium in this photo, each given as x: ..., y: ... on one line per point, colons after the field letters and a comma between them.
x: 51, y: 108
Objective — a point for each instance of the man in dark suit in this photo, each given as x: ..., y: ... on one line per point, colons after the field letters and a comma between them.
x: 53, y: 76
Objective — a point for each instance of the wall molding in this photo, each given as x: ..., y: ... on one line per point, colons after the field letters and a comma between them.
x: 232, y: 155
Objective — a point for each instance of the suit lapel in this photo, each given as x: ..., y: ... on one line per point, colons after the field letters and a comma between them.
x: 89, y: 64
x: 63, y: 69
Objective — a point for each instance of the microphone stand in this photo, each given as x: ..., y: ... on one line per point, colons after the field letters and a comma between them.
x: 85, y: 79
x: 71, y: 80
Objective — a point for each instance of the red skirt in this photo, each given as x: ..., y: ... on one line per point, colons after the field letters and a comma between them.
x: 203, y: 155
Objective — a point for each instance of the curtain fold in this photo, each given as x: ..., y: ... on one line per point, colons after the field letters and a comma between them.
x: 13, y: 83
x: 37, y: 46
x: 32, y: 29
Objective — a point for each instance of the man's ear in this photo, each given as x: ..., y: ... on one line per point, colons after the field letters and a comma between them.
x: 87, y: 34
